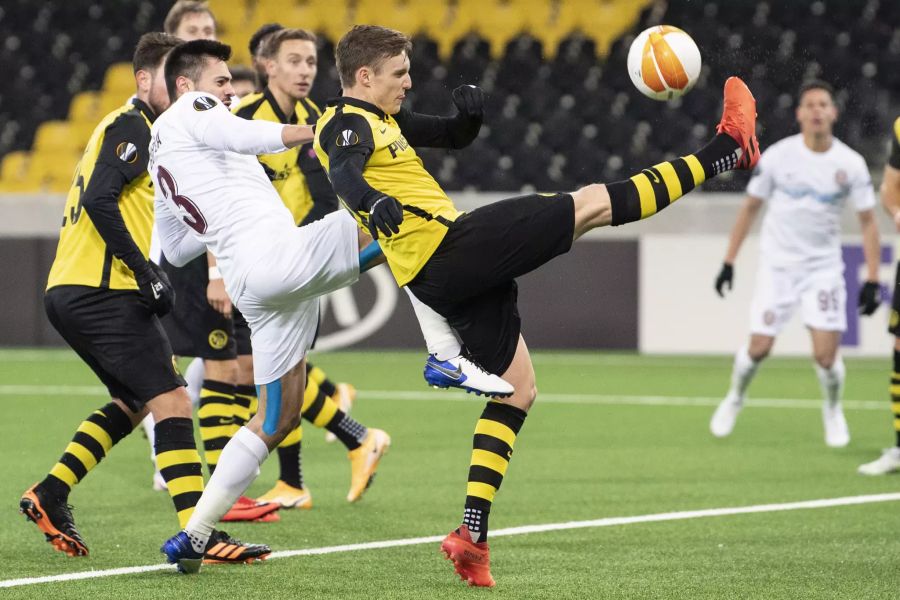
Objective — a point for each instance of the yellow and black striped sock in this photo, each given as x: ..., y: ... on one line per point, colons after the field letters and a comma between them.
x: 895, y: 394
x: 216, y: 416
x: 245, y: 403
x: 320, y: 410
x: 492, y: 447
x: 179, y: 464
x: 93, y: 439
x: 318, y: 375
x: 653, y: 189
x: 289, y: 466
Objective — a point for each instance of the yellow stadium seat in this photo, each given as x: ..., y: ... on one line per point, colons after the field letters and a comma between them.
x: 52, y: 171
x: 460, y: 20
x: 110, y: 101
x: 85, y: 106
x: 54, y: 136
x: 119, y: 79
x: 231, y: 17
x: 499, y: 21
x: 14, y: 167
x: 409, y: 16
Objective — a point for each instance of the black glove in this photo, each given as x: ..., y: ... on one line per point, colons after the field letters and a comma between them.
x: 385, y: 216
x: 869, y: 298
x: 156, y: 288
x: 726, y: 275
x: 469, y: 101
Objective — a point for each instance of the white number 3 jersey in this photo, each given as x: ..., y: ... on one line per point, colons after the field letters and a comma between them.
x: 211, y: 191
x: 806, y: 192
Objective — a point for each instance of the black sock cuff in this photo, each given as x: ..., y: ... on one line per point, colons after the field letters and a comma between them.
x: 219, y: 387
x: 478, y: 504
x: 719, y: 155
x: 896, y: 375
x: 245, y: 390
x: 174, y: 433
x: 118, y: 424
x: 511, y: 416
x: 624, y: 202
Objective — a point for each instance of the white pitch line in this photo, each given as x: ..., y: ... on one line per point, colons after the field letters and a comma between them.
x: 522, y: 530
x: 549, y: 398
x: 625, y: 400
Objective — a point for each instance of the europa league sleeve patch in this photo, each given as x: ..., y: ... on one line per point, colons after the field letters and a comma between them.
x: 204, y: 103
x: 347, y: 137
x: 127, y: 152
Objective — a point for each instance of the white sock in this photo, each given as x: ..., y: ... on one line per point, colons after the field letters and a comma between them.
x: 238, y: 467
x: 149, y: 424
x: 439, y: 337
x: 742, y: 373
x: 832, y: 380
x: 194, y: 377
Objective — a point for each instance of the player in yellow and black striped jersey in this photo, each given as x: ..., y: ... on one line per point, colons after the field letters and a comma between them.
x: 464, y: 265
x: 889, y: 461
x: 289, y: 59
x: 104, y: 297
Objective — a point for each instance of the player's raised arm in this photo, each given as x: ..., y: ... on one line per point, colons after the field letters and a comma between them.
x: 348, y: 142
x: 219, y: 129
x: 457, y: 131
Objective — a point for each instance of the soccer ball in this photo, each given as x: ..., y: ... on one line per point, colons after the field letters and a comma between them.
x: 663, y: 62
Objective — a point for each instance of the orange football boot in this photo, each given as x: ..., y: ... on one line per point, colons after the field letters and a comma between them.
x: 739, y: 121
x: 248, y: 509
x: 54, y: 518
x: 472, y: 561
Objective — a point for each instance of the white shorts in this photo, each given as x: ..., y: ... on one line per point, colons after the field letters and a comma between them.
x: 281, y: 295
x: 821, y: 293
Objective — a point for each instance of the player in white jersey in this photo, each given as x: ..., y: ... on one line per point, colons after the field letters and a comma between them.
x: 805, y: 180
x: 212, y: 194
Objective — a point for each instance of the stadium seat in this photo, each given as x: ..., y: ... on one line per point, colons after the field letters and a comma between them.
x: 119, y: 79
x: 85, y: 107
x: 56, y: 136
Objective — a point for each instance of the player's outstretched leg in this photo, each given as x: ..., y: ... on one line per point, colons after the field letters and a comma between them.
x: 46, y: 502
x: 655, y: 188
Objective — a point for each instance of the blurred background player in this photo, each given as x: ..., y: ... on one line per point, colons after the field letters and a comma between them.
x: 889, y: 461
x: 806, y: 179
x: 104, y: 297
x: 243, y: 80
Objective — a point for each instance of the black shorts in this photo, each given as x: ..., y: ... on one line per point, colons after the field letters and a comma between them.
x: 115, y: 333
x: 894, y: 323
x: 194, y: 327
x: 470, y: 278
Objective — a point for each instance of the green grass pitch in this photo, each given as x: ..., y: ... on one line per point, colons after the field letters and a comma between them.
x: 616, y: 435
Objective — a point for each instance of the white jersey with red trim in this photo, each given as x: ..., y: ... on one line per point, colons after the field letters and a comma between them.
x: 805, y: 192
x: 211, y: 191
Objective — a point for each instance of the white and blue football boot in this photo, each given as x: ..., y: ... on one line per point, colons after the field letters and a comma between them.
x: 460, y: 372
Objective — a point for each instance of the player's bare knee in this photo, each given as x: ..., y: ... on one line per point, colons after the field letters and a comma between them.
x: 824, y: 359
x: 592, y: 208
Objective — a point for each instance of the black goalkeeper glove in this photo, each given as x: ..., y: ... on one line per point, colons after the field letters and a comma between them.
x: 869, y: 298
x: 385, y: 216
x: 469, y: 101
x: 726, y: 275
x: 156, y: 288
